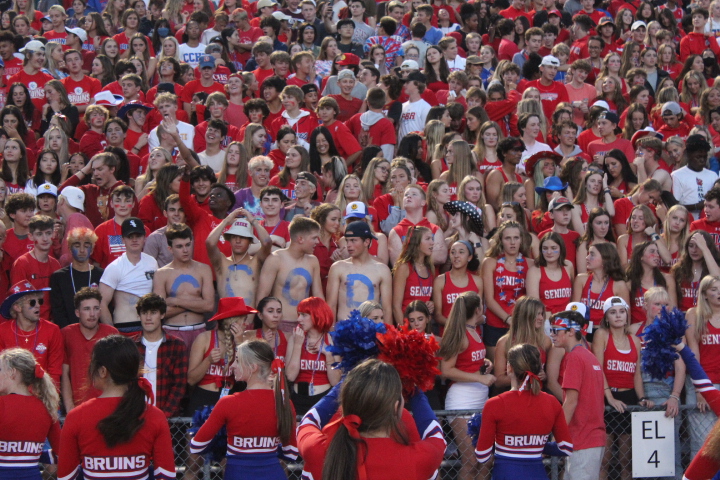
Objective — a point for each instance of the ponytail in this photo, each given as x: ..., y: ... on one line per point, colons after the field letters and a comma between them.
x: 341, y: 457
x: 33, y: 376
x: 44, y: 389
x: 283, y: 406
x: 454, y: 339
x: 525, y: 362
x: 122, y: 425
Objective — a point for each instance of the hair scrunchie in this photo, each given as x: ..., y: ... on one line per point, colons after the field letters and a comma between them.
x: 146, y: 386
x: 39, y: 371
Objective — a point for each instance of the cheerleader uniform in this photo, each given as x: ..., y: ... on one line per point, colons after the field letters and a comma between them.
x: 517, y: 424
x: 508, y: 287
x: 218, y: 373
x: 594, y: 301
x: 253, y: 444
x: 313, y: 374
x: 555, y: 295
x: 83, y: 446
x: 468, y: 395
x: 417, y: 287
x: 384, y: 458
x: 21, y: 442
x: 280, y: 346
x: 619, y: 368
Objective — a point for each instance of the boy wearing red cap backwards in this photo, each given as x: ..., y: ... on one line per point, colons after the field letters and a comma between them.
x: 583, y: 404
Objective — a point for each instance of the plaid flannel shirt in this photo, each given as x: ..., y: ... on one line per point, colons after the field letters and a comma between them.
x: 172, y: 370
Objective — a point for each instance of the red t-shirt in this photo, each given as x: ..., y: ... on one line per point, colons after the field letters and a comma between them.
x: 14, y: 247
x: 194, y: 86
x: 45, y: 342
x: 78, y: 351
x: 507, y: 49
x: 348, y: 108
x: 221, y: 74
x: 550, y: 96
x: 569, y: 240
x: 261, y: 74
x: 599, y: 147
x: 35, y: 83
x: 344, y: 140
x: 27, y: 267
x: 12, y: 67
x: 251, y: 36
x: 713, y: 228
x: 61, y: 38
x: 584, y: 374
x: 279, y: 230
x: 380, y: 133
x: 131, y: 139
x: 80, y: 93
x: 92, y: 143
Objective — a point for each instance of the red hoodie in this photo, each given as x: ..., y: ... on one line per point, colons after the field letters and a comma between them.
x: 696, y: 43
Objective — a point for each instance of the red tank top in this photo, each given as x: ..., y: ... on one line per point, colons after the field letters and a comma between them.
x: 637, y: 309
x: 417, y: 288
x: 555, y: 295
x: 629, y: 246
x: 486, y: 167
x: 584, y: 214
x: 215, y: 372
x: 518, y: 178
x: 472, y: 358
x: 313, y: 366
x: 280, y: 345
x: 688, y: 295
x: 451, y: 292
x: 508, y: 287
x: 595, y: 301
x: 710, y: 352
x: 619, y: 367
x: 665, y: 267
x: 453, y: 190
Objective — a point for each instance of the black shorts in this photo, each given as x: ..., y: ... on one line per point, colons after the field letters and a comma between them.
x: 491, y: 335
x: 201, y: 398
x: 619, y: 423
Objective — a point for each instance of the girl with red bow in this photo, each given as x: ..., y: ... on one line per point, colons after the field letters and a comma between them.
x: 119, y: 434
x: 26, y: 388
x: 260, y: 420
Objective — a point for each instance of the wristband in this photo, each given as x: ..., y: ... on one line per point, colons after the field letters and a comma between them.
x: 643, y: 399
x: 655, y: 237
x: 675, y: 397
x: 607, y: 190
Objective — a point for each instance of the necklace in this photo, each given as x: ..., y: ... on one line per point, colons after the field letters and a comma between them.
x: 235, y: 264
x: 73, y: 278
x: 26, y: 336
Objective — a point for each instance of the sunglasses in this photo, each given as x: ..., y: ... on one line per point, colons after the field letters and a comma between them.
x: 510, y: 204
x: 35, y: 301
x: 556, y: 330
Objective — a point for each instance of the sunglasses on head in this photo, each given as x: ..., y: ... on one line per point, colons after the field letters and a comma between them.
x: 35, y: 301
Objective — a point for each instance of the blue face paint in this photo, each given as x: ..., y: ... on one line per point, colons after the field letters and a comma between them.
x: 295, y: 276
x: 184, y: 278
x: 350, y: 289
x: 75, y: 252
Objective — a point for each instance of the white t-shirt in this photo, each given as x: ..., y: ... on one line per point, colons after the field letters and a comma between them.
x: 457, y: 64
x: 690, y: 187
x: 532, y: 150
x: 191, y: 55
x: 123, y: 276
x: 151, y: 363
x: 186, y: 131
x: 215, y: 162
x: 413, y: 117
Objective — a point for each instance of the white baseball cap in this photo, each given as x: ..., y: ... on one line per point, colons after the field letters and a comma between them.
x: 281, y: 16
x: 47, y: 188
x: 81, y: 33
x: 601, y: 104
x: 75, y: 197
x: 550, y: 61
x: 265, y: 3
x: 355, y: 210
x: 614, y: 301
x: 409, y: 65
x: 576, y: 307
x: 33, y: 46
x: 242, y: 228
x: 637, y: 24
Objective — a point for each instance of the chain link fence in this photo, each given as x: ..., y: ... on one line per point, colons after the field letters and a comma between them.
x: 459, y: 463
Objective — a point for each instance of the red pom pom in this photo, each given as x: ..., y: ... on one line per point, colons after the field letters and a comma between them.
x: 412, y: 355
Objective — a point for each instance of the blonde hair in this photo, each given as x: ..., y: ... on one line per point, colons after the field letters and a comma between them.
x: 454, y: 339
x: 24, y: 363
x: 464, y: 163
x: 522, y: 323
x: 703, y: 312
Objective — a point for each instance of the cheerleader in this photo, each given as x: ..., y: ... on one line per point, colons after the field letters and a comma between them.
x: 26, y: 388
x: 448, y: 286
x: 604, y: 279
x: 462, y: 361
x: 309, y: 360
x: 503, y: 274
x: 370, y: 440
x: 619, y: 355
x: 266, y: 322
x: 260, y: 420
x: 413, y: 272
x: 699, y: 258
x: 526, y: 326
x: 117, y: 435
x: 644, y: 272
x: 506, y: 417
x: 702, y: 337
x: 550, y: 278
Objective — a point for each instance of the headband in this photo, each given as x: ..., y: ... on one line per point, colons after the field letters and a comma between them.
x: 567, y: 324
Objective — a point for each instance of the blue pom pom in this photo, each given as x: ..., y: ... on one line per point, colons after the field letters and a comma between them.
x: 658, y: 356
x: 217, y: 447
x: 355, y: 340
x: 473, y: 428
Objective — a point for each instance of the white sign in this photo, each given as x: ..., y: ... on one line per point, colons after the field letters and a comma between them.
x: 653, y: 445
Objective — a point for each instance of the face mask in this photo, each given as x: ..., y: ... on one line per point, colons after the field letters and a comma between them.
x: 163, y: 32
x: 709, y: 62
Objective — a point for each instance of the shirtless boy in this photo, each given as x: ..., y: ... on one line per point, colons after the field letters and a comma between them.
x: 238, y: 274
x: 360, y: 278
x: 292, y: 273
x: 186, y: 285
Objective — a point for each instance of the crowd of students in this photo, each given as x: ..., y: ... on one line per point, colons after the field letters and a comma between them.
x: 526, y: 183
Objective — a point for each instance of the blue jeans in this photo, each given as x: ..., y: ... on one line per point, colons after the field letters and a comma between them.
x: 700, y: 423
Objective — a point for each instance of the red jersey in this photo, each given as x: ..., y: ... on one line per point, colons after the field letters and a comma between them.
x: 584, y: 374
x: 78, y: 351
x: 288, y: 190
x: 595, y: 301
x: 555, y: 295
x: 472, y: 359
x: 22, y: 439
x: 83, y: 446
x: 417, y: 288
x: 194, y: 86
x: 637, y: 307
x: 508, y: 287
x: 619, y: 366
x: 27, y: 267
x: 252, y: 429
x: 451, y: 292
x: 313, y: 366
x: 506, y: 179
x: 82, y: 92
x: 514, y: 434
x: 217, y: 373
x: 202, y: 224
x: 569, y: 239
x: 35, y: 84
x: 45, y: 342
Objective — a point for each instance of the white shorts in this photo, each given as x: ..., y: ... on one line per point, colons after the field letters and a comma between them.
x: 466, y: 396
x: 584, y: 464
